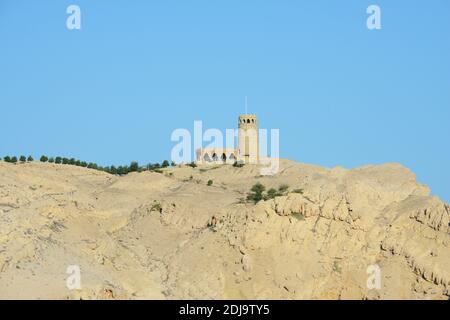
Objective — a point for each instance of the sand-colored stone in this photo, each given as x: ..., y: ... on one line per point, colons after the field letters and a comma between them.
x: 167, y: 236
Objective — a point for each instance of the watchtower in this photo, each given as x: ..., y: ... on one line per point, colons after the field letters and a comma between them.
x: 248, y: 139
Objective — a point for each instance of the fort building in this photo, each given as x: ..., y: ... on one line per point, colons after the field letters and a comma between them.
x: 247, y: 150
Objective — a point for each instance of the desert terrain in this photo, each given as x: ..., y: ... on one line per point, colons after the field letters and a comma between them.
x: 170, y: 235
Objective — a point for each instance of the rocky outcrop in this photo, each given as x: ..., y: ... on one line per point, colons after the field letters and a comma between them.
x: 171, y: 235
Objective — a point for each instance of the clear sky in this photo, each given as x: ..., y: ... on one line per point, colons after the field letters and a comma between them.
x: 340, y: 94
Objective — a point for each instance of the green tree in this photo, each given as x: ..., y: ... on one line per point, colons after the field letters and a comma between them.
x: 72, y: 161
x: 7, y: 159
x: 51, y: 160
x: 165, y: 164
x: 92, y: 165
x: 30, y: 159
x: 43, y: 159
x: 134, y: 166
x: 65, y: 161
x: 256, y: 193
x: 23, y: 159
x: 58, y: 160
x: 14, y: 159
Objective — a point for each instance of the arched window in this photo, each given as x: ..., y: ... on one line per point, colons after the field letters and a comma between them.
x: 206, y: 157
x: 224, y: 157
x: 248, y: 120
x: 215, y: 158
x: 232, y: 157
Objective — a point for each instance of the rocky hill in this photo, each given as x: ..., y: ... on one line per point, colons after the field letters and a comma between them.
x: 169, y: 235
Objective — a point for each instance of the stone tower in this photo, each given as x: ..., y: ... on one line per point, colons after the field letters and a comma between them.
x: 248, y: 139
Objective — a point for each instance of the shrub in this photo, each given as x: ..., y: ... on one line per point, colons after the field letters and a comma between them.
x: 283, y: 188
x: 14, y: 159
x: 238, y: 164
x: 300, y: 191
x: 210, y: 183
x: 23, y: 159
x: 51, y: 160
x: 336, y: 267
x: 58, y: 160
x: 30, y: 159
x: 156, y: 206
x: 43, y: 159
x: 7, y: 159
x: 192, y: 164
x: 256, y: 193
x: 271, y: 193
x: 298, y: 216
x: 65, y: 161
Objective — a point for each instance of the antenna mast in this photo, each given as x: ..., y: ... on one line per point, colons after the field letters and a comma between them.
x: 246, y: 105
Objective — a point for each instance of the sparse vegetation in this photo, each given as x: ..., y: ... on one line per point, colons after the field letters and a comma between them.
x: 256, y: 193
x: 134, y: 166
x: 273, y: 193
x: 121, y: 170
x: 156, y: 206
x: 336, y: 267
x: 298, y: 216
x: 165, y: 164
x: 192, y: 164
x: 300, y: 191
x: 210, y: 183
x: 238, y: 164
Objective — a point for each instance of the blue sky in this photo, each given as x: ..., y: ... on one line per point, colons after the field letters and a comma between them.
x: 340, y: 94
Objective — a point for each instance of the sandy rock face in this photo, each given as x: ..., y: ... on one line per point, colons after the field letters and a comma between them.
x: 170, y: 235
